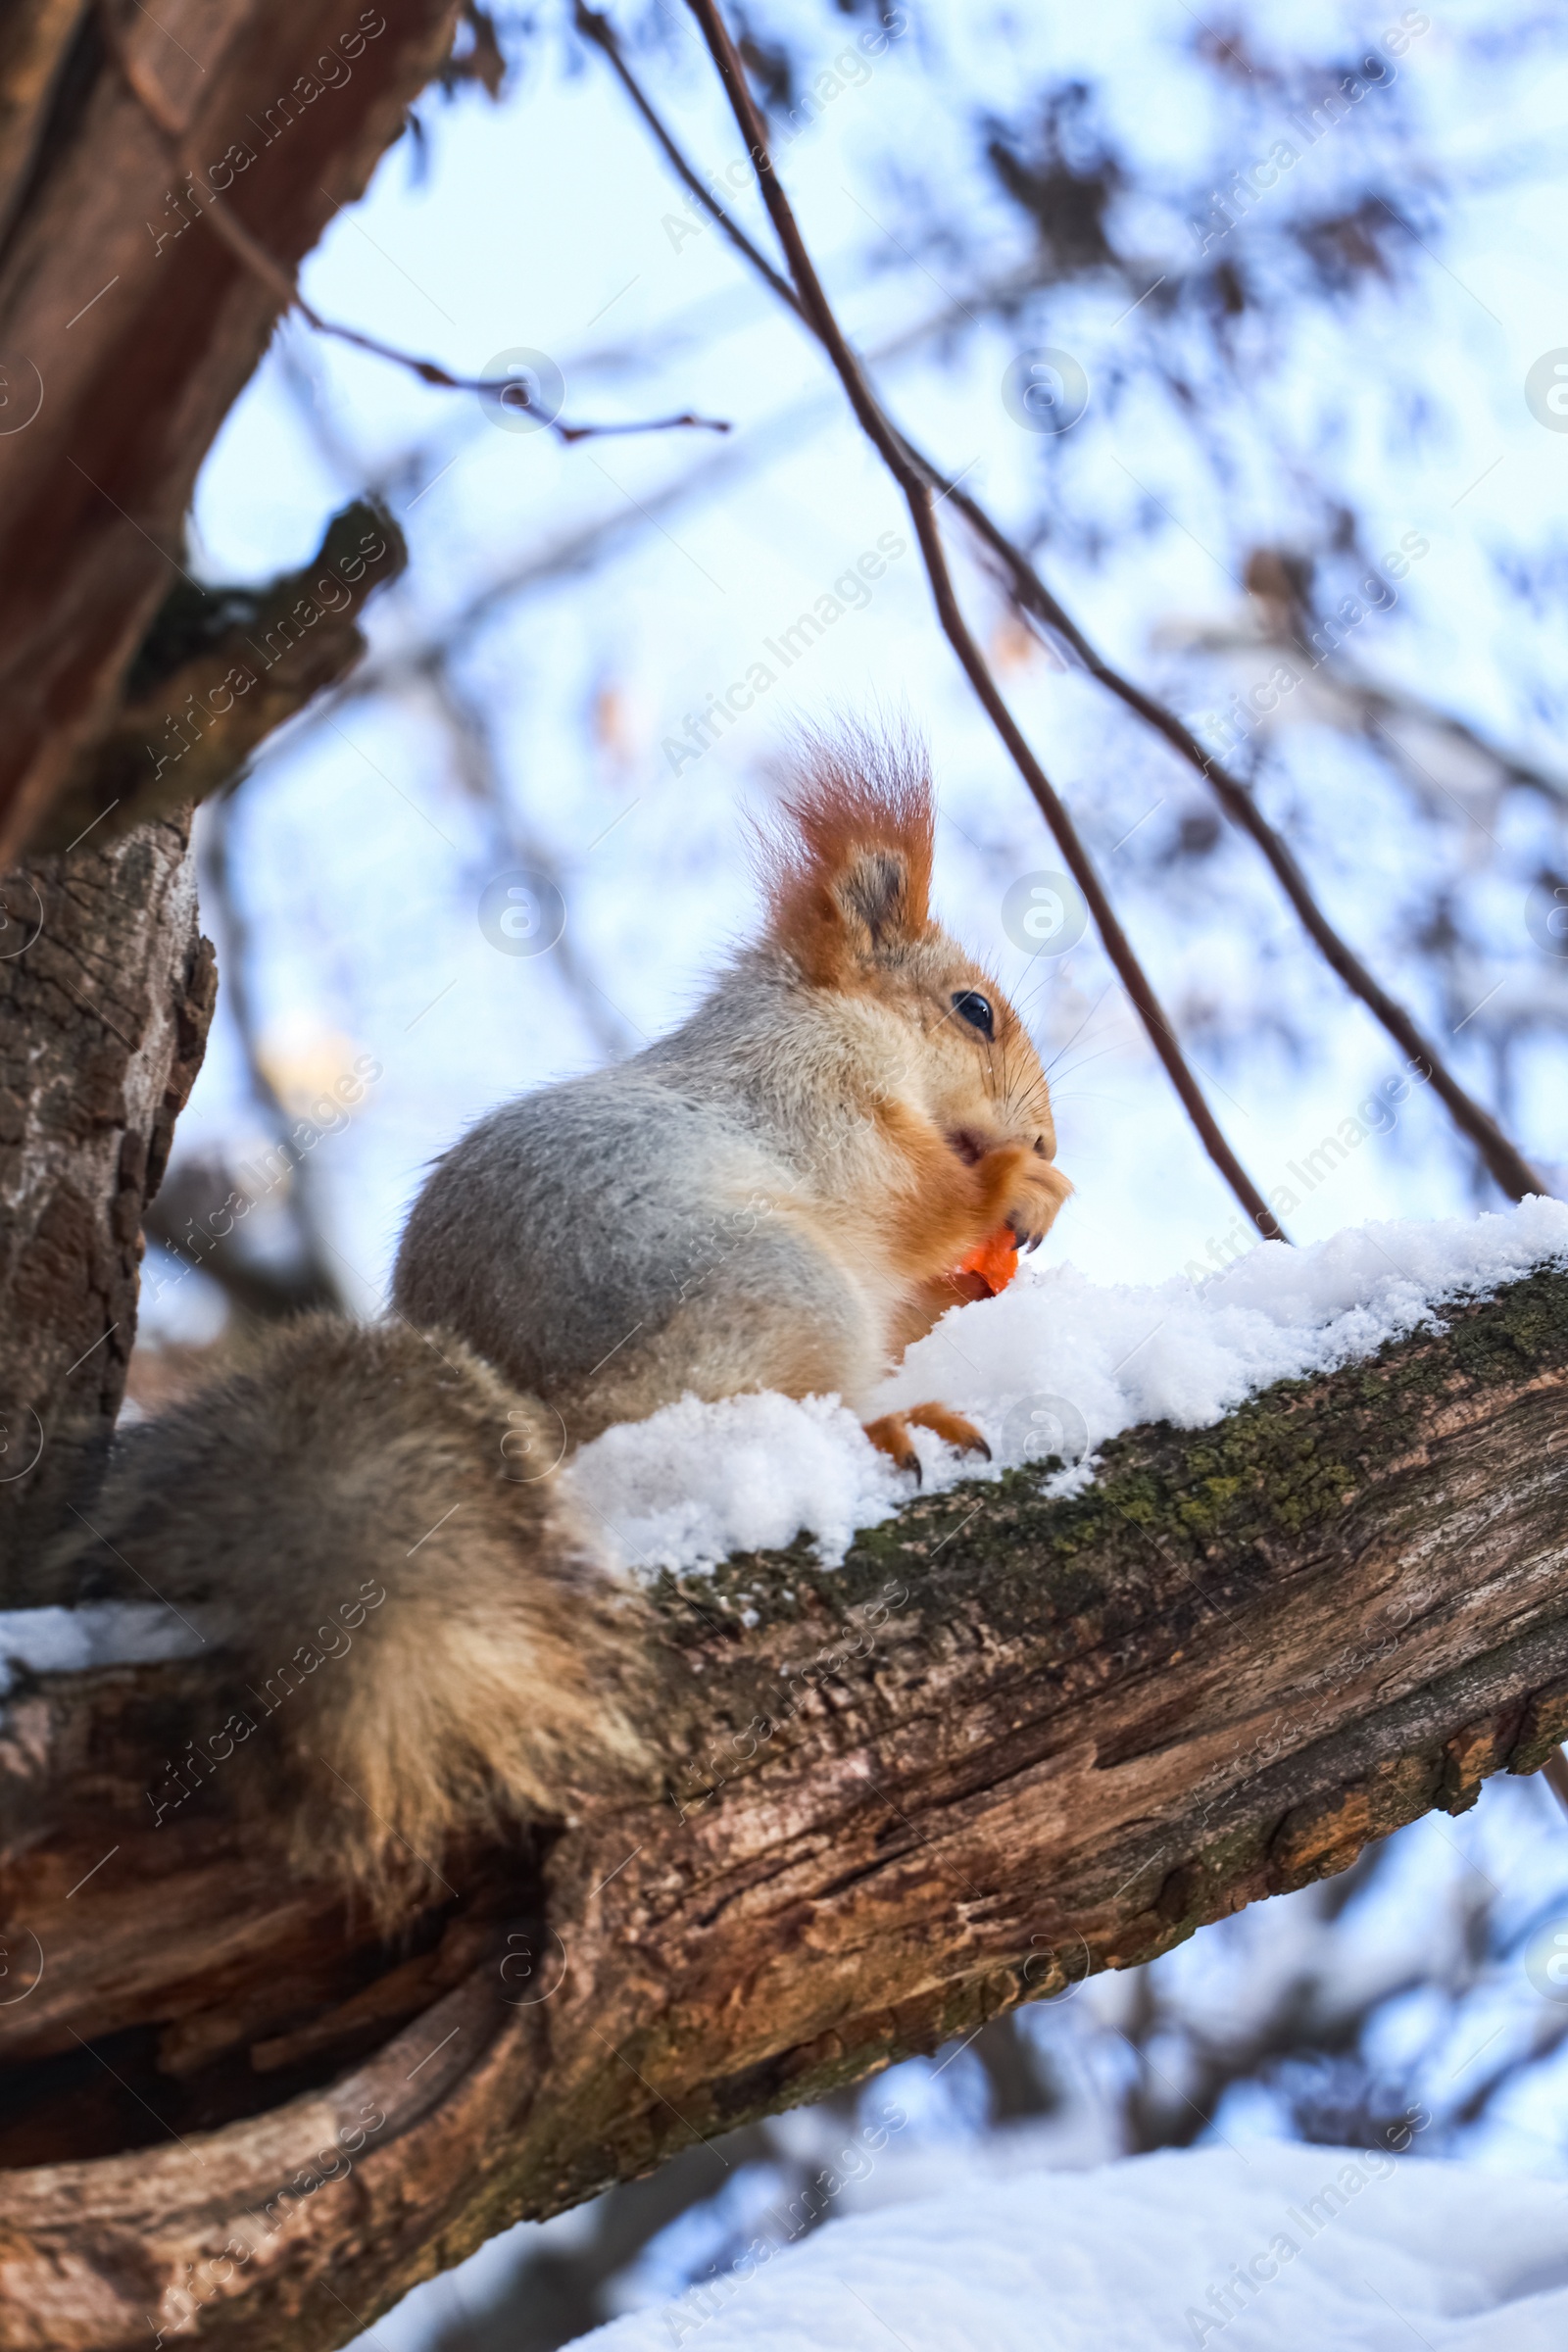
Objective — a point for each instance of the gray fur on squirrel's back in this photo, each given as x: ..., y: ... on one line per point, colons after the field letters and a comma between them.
x: 655, y: 1208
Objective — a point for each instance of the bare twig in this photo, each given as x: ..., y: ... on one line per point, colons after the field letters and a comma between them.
x: 1503, y: 1160
x: 600, y: 30
x: 1382, y: 710
x: 266, y: 266
x: 914, y: 482
x: 1507, y: 1166
x: 478, y: 770
x: 578, y: 550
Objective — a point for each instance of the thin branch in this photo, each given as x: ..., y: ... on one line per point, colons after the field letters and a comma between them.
x: 282, y: 281
x: 318, y: 1282
x: 1382, y: 705
x: 1504, y: 1161
x: 1511, y: 1171
x: 479, y: 772
x: 600, y: 30
x: 913, y: 482
x: 578, y: 550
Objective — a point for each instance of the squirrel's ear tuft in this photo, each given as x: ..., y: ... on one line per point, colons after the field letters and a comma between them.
x: 848, y: 870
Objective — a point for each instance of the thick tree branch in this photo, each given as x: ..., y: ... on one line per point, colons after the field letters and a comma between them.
x: 1030, y: 596
x: 220, y: 670
x: 1009, y: 1741
x: 127, y: 327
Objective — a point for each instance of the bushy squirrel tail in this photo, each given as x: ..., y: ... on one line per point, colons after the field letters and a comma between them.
x: 404, y: 1612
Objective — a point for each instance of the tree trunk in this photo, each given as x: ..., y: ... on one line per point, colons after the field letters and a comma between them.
x: 1010, y: 1741
x: 106, y: 992
x: 127, y: 327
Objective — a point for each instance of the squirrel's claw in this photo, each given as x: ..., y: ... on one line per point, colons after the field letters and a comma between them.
x: 890, y: 1435
x: 944, y: 1423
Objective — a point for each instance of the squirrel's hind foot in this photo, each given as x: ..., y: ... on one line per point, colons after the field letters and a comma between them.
x: 890, y: 1433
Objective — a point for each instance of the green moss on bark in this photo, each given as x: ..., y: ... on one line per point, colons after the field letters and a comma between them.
x: 1282, y: 1464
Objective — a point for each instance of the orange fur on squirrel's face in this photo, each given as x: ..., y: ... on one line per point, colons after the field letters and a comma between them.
x: 932, y: 1056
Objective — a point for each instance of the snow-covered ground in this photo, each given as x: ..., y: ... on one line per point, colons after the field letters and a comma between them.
x: 1056, y: 1364
x: 1294, y: 2249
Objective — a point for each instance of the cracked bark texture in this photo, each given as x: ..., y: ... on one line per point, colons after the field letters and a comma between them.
x: 105, y: 992
x: 1010, y: 1740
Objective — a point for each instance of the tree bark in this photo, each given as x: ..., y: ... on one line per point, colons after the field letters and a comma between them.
x: 220, y: 670
x: 127, y: 327
x: 1010, y: 1741
x: 106, y: 992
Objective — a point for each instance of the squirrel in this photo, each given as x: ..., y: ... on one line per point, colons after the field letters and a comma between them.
x: 775, y: 1195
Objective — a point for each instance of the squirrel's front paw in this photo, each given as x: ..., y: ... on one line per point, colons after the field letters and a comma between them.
x: 1032, y: 1209
x: 890, y: 1433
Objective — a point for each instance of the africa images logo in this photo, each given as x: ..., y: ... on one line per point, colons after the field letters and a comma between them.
x: 1044, y: 914
x: 1546, y: 391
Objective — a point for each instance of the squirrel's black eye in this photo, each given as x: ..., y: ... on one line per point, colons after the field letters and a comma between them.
x: 971, y: 1007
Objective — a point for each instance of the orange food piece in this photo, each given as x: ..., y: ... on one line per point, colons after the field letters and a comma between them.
x: 994, y: 1260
